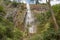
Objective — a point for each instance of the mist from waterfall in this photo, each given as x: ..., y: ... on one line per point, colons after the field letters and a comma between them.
x: 30, y: 20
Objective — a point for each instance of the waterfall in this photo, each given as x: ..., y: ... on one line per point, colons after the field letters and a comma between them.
x: 30, y: 20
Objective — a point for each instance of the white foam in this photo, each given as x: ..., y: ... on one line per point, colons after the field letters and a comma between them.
x: 29, y: 19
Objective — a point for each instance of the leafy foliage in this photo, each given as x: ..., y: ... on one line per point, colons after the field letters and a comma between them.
x: 14, y: 4
x: 1, y: 8
x: 8, y: 31
x: 56, y: 9
x: 50, y: 34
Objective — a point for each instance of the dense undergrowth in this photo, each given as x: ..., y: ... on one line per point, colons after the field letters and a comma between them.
x: 7, y: 29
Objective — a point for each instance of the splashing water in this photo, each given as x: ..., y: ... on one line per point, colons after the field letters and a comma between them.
x: 30, y: 20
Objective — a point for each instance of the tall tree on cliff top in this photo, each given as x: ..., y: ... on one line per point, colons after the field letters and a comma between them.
x: 36, y: 1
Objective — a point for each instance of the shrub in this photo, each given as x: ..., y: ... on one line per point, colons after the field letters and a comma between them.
x: 8, y: 31
x: 1, y: 9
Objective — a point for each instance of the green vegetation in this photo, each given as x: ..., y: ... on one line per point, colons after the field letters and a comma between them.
x: 1, y: 8
x: 8, y: 31
x: 45, y: 25
x: 14, y: 4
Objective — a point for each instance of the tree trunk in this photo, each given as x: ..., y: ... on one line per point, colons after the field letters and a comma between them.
x: 52, y: 14
x: 37, y: 2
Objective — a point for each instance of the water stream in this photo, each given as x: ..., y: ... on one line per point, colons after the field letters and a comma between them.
x: 30, y: 20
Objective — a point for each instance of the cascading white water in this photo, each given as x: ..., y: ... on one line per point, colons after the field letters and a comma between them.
x: 30, y: 20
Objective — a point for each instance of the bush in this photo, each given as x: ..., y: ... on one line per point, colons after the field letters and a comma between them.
x: 1, y: 9
x: 56, y: 7
x: 7, y: 2
x: 36, y: 37
x: 17, y: 34
x: 2, y: 12
x: 8, y: 31
x: 14, y: 4
x: 51, y: 35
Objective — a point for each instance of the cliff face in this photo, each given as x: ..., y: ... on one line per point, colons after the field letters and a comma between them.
x: 19, y: 14
x: 39, y: 8
x: 35, y: 9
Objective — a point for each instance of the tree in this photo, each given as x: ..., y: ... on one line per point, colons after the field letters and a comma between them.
x: 37, y: 2
x: 52, y: 14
